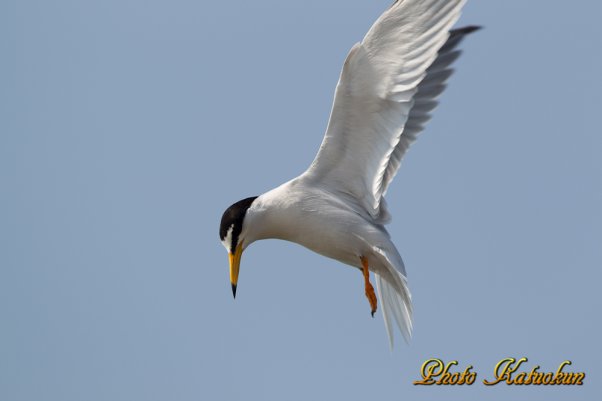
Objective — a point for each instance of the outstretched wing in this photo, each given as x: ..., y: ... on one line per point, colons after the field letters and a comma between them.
x: 384, y: 96
x: 425, y: 99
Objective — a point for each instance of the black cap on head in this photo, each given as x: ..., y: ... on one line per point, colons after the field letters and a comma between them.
x: 232, y: 219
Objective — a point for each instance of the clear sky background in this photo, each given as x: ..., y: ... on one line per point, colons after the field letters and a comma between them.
x: 127, y: 127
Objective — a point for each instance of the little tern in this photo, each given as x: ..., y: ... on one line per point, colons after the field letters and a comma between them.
x: 386, y: 92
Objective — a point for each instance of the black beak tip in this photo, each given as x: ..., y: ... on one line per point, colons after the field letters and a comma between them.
x: 234, y: 290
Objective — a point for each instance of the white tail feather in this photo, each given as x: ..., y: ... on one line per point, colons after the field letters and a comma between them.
x: 395, y: 304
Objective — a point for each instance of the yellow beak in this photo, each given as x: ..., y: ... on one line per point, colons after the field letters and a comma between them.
x: 234, y: 267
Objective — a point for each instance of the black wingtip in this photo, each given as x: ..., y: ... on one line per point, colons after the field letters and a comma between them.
x: 467, y: 29
x: 234, y: 290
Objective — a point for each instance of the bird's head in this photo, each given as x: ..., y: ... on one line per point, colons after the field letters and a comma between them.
x: 232, y: 235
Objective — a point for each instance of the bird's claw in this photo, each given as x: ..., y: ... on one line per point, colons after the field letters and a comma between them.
x: 369, y: 289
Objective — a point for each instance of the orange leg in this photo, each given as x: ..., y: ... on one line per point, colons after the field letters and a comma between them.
x: 369, y: 289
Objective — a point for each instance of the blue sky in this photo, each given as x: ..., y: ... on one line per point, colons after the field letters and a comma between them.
x: 127, y: 127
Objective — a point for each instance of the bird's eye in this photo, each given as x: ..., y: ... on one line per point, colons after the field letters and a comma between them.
x: 227, y: 240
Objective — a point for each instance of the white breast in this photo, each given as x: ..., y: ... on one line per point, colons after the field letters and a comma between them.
x: 315, y: 219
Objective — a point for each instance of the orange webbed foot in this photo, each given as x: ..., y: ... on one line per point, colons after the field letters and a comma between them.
x: 370, y: 294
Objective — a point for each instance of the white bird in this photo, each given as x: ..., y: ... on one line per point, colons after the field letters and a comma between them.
x: 386, y: 91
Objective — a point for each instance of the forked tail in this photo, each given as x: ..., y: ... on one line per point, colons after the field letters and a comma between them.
x: 396, y: 303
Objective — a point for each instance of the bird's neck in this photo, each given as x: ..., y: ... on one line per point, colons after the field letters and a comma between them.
x: 272, y: 215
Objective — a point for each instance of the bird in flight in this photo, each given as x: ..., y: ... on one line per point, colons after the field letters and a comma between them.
x: 386, y: 92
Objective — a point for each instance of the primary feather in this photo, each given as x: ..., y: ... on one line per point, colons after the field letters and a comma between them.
x: 374, y: 98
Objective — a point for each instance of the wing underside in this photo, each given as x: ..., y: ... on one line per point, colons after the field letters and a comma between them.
x: 387, y: 89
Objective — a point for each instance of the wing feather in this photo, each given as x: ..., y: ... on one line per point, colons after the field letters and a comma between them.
x: 384, y: 96
x: 431, y: 87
